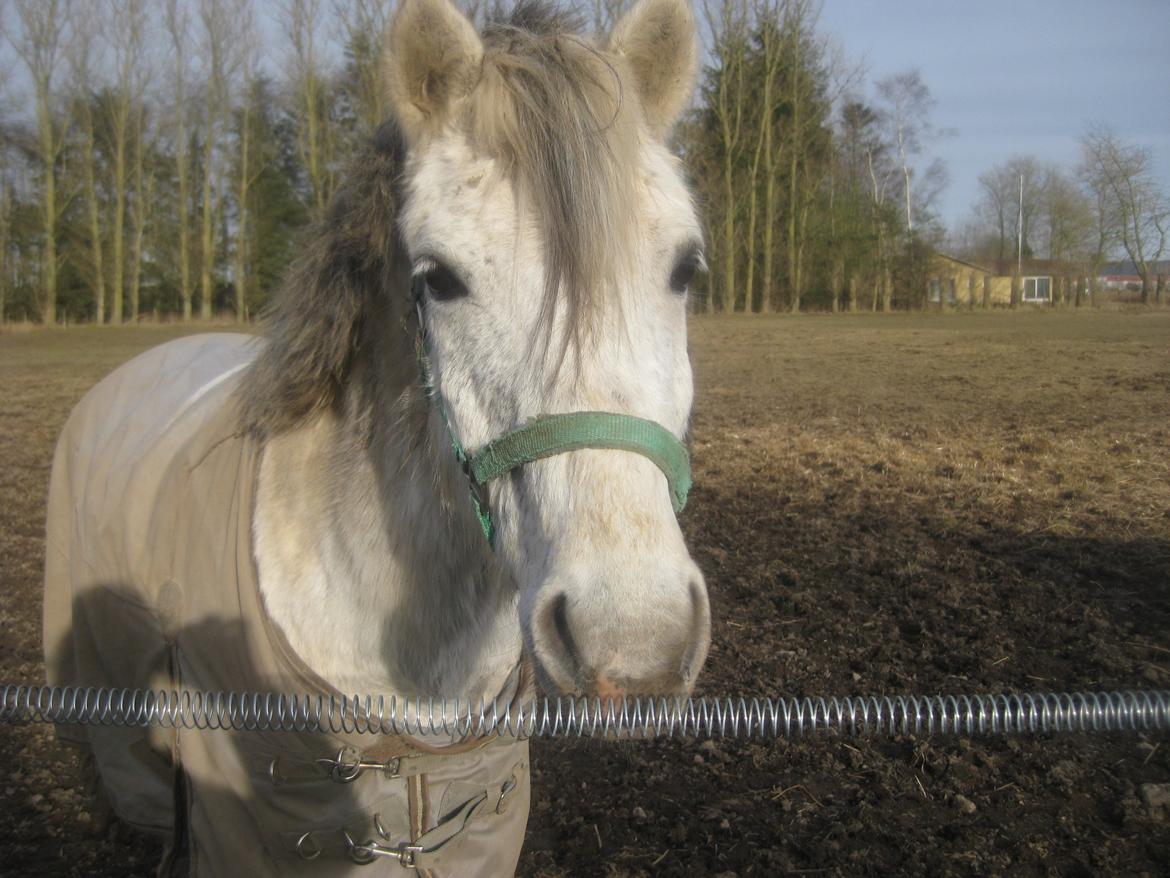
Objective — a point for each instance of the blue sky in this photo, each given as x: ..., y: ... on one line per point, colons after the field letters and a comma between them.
x: 1021, y: 77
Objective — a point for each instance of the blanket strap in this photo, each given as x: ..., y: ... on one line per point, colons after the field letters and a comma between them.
x: 375, y: 842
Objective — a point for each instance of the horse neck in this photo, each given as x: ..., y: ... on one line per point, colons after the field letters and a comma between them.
x: 369, y: 557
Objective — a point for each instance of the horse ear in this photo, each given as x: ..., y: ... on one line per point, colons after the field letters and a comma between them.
x: 432, y: 60
x: 659, y: 41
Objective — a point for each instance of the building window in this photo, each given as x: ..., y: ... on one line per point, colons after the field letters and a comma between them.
x: 935, y: 289
x: 1037, y: 289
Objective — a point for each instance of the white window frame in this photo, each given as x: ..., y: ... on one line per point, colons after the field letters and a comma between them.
x: 1047, y: 297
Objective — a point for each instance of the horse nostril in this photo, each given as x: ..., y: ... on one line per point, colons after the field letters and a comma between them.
x: 560, y: 620
x: 700, y: 630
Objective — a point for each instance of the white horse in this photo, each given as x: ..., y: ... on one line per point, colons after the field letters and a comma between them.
x: 314, y: 512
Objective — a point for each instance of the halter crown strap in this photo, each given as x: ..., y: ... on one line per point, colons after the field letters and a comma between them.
x: 548, y: 435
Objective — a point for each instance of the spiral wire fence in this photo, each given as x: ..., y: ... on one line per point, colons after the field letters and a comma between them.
x: 630, y: 718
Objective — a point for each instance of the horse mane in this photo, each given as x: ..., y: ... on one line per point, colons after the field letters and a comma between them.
x: 550, y: 106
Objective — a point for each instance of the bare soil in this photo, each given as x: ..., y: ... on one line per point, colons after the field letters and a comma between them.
x: 904, y: 503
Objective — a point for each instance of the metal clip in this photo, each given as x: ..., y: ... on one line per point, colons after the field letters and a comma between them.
x: 364, y: 853
x: 348, y: 765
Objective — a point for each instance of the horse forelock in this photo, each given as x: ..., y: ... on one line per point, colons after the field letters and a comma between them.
x: 550, y: 106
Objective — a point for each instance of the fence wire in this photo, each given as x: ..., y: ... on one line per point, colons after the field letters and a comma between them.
x: 630, y: 718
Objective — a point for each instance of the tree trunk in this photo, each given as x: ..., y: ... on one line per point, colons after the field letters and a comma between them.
x: 95, y: 227
x: 835, y: 280
x: 853, y: 292
x: 119, y: 254
x: 5, y: 231
x: 794, y: 291
x: 49, y: 289
x: 728, y: 234
x: 1015, y: 299
x: 206, y: 245
x: 793, y: 281
x: 184, y: 242
x: 140, y: 206
x: 750, y: 239
x: 143, y: 195
x: 207, y: 218
x: 242, y: 224
x: 767, y: 291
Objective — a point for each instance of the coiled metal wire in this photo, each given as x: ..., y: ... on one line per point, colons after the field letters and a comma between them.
x: 634, y: 718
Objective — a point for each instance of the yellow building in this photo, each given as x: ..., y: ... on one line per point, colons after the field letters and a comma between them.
x: 958, y: 283
x: 955, y: 282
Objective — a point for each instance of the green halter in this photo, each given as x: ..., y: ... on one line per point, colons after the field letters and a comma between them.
x: 547, y: 435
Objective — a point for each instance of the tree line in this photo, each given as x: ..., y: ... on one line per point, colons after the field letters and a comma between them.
x: 1108, y: 204
x: 818, y: 188
x: 153, y: 163
x: 163, y: 170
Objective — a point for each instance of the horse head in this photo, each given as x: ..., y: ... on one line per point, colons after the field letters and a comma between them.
x: 551, y: 241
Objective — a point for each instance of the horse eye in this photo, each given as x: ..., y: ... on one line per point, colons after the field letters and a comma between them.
x: 684, y: 271
x: 443, y: 285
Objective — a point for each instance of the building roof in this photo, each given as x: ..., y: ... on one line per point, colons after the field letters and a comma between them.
x: 964, y: 262
x: 1128, y: 269
x: 1035, y: 267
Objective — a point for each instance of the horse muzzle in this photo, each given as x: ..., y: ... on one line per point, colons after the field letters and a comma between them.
x: 645, y: 636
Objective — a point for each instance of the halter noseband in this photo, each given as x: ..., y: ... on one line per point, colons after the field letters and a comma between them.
x: 548, y: 435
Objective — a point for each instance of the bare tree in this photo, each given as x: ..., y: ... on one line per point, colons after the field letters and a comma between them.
x: 880, y: 176
x: 302, y: 23
x: 1000, y: 187
x: 815, y: 82
x: 127, y: 37
x: 82, y: 75
x: 144, y: 139
x: 1068, y: 224
x: 219, y: 45
x: 727, y: 25
x: 39, y: 44
x: 179, y: 28
x: 363, y: 22
x: 5, y: 229
x: 769, y: 57
x: 1122, y: 175
x: 908, y: 107
x: 248, y: 167
x: 142, y: 205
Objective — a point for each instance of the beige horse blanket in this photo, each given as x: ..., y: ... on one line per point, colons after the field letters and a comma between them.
x: 150, y: 582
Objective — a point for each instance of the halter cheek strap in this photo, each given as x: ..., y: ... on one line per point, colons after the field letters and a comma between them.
x: 548, y: 435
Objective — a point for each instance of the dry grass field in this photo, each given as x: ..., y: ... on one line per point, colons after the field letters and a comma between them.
x: 903, y: 503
